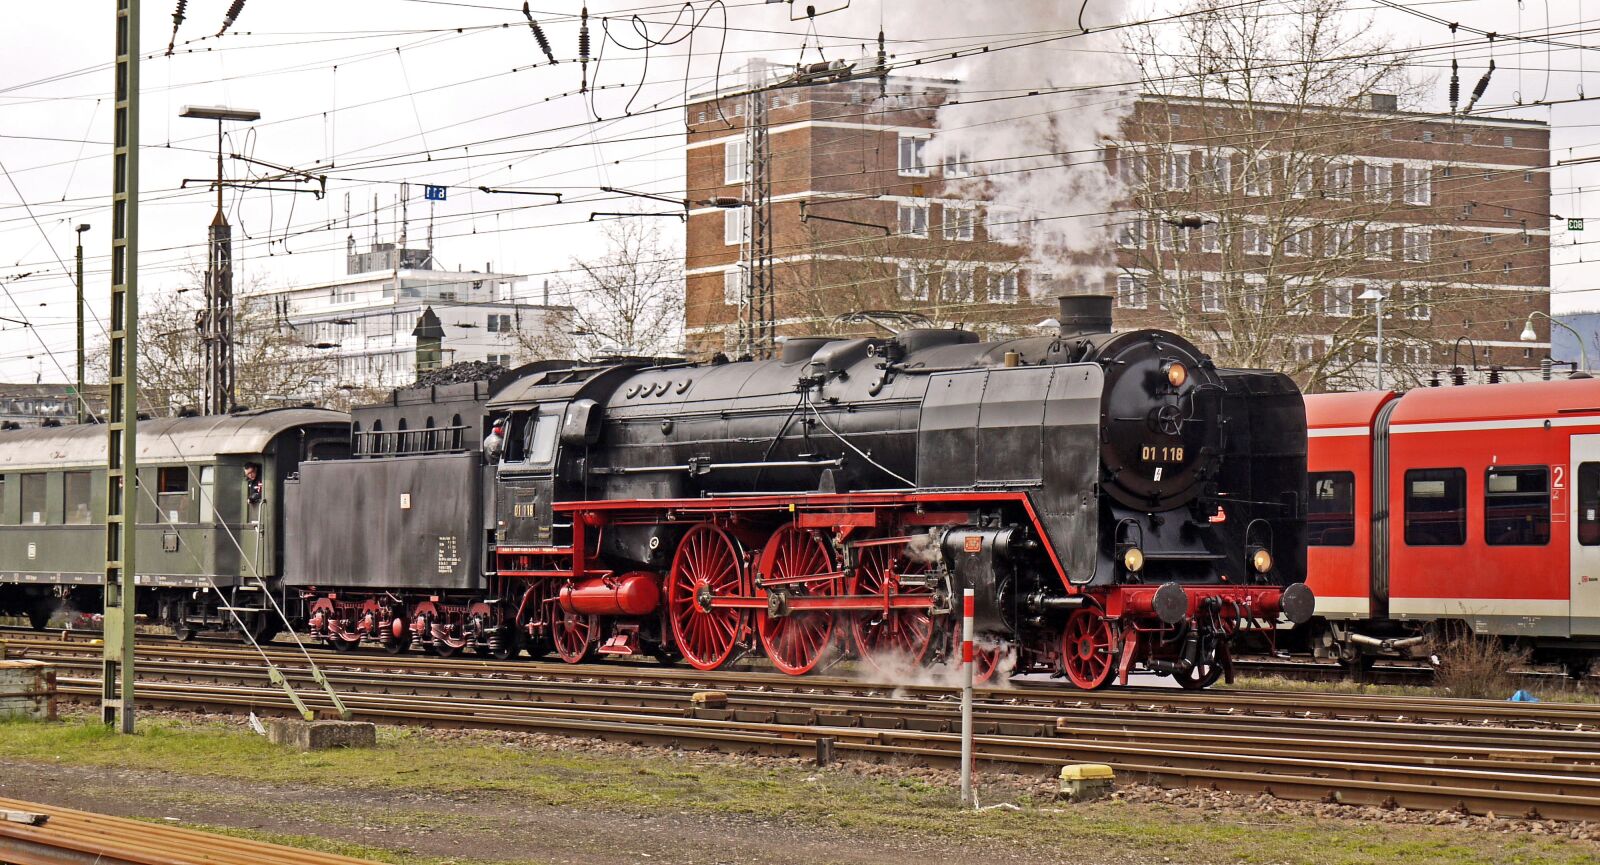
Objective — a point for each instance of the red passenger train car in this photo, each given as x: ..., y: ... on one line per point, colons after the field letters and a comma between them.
x: 1457, y: 507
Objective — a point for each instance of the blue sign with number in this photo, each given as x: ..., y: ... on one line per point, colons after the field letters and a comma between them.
x: 433, y: 193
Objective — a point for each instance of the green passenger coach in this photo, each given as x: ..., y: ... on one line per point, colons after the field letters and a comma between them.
x: 210, y: 522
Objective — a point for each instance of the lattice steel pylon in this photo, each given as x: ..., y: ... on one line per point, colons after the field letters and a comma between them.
x: 758, y: 312
x: 122, y: 405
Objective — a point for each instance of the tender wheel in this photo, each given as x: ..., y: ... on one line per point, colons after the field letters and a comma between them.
x: 708, y: 565
x: 39, y: 613
x: 903, y: 634
x: 183, y: 632
x: 446, y: 649
x: 1089, y: 649
x: 505, y: 644
x: 575, y: 635
x: 797, y: 563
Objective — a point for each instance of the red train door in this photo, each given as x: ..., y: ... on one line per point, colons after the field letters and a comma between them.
x: 1582, y: 486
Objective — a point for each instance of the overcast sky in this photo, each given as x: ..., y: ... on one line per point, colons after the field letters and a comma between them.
x: 429, y: 91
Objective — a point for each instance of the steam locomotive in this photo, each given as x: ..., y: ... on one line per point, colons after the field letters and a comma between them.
x: 1114, y: 500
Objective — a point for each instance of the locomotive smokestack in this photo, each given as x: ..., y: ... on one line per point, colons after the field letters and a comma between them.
x: 1084, y: 314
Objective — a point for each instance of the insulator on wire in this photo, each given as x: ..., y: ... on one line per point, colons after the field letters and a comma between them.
x: 883, y: 67
x: 177, y: 19
x: 1455, y: 86
x: 232, y: 15
x: 1477, y: 92
x: 538, y: 33
x: 583, y: 49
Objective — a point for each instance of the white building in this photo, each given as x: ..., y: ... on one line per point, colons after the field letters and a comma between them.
x: 365, y: 319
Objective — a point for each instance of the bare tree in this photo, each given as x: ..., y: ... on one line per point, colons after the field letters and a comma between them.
x: 272, y: 363
x: 629, y: 301
x: 1261, y: 211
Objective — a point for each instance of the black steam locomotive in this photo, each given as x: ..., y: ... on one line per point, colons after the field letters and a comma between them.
x: 1115, y: 500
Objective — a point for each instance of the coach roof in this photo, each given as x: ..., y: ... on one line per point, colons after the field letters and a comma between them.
x: 163, y: 440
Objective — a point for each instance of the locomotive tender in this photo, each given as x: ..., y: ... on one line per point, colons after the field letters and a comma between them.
x: 1115, y: 501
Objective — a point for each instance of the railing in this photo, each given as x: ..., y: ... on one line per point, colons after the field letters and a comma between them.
x: 439, y: 440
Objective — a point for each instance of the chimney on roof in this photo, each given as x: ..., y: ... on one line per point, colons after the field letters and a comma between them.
x: 1383, y: 102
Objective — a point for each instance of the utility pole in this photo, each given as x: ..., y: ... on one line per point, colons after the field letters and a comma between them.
x: 83, y: 411
x: 758, y: 322
x: 215, y: 323
x: 122, y: 405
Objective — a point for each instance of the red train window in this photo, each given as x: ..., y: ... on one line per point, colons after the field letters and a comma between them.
x: 1516, y: 506
x: 1331, y: 513
x: 1589, y: 504
x: 1436, y: 507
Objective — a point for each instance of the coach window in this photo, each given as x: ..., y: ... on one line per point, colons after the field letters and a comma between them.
x: 33, y: 499
x: 75, y: 499
x: 1436, y: 507
x: 1516, y: 506
x: 1331, y: 515
x: 172, y: 493
x: 1589, y: 504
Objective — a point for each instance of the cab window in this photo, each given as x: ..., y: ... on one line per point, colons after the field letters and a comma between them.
x: 542, y: 436
x: 1331, y: 512
x: 1516, y: 506
x: 1436, y: 507
x: 1589, y: 504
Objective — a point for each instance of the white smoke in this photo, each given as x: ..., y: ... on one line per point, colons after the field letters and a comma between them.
x: 900, y: 670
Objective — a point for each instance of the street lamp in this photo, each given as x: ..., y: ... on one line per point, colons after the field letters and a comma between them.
x: 1530, y: 335
x: 1377, y: 299
x: 216, y: 323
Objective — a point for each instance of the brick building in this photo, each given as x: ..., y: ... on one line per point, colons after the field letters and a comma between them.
x: 1253, y: 228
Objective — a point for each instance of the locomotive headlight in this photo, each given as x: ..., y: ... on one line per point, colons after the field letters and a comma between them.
x: 1261, y: 560
x: 1176, y: 373
x: 1133, y: 559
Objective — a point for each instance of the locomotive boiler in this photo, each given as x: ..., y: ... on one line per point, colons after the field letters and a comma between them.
x: 1115, y: 500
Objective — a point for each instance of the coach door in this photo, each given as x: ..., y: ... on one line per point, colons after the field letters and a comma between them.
x: 1583, y: 488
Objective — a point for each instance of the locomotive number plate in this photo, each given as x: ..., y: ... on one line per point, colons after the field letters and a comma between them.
x: 1162, y: 453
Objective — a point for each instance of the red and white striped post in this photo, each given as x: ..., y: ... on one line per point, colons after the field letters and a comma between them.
x: 966, y: 697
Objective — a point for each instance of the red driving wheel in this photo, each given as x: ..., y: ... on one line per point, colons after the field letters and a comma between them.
x: 574, y: 634
x: 797, y: 562
x: 894, y: 633
x: 708, y: 565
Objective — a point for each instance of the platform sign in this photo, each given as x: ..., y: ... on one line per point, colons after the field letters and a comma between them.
x: 1574, y: 225
x: 433, y: 193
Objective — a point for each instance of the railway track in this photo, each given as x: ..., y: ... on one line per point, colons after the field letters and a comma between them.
x: 34, y: 834
x: 1421, y: 753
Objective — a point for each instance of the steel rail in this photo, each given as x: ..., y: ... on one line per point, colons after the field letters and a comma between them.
x: 65, y: 836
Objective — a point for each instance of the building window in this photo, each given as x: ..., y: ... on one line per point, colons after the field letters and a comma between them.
x: 1256, y: 241
x: 1218, y: 167
x: 499, y: 323
x: 735, y: 225
x: 1003, y: 224
x: 958, y: 221
x: 1175, y: 170
x: 1296, y: 241
x: 1435, y: 507
x: 1466, y: 138
x: 1337, y: 181
x: 912, y: 151
x: 1449, y: 171
x: 1419, y: 186
x: 1516, y: 506
x: 1506, y: 267
x: 735, y: 162
x: 1508, y: 141
x: 500, y: 359
x: 958, y: 285
x: 1254, y: 299
x: 1338, y: 300
x: 1003, y: 287
x: 1427, y: 136
x: 1305, y: 351
x: 1296, y: 300
x: 1379, y: 243
x: 1376, y: 182
x: 1174, y: 119
x: 913, y: 283
x: 1210, y: 296
x: 1130, y: 235
x: 1304, y: 182
x: 1131, y: 293
x: 1171, y: 237
x: 957, y: 163
x: 1258, y: 177
x: 388, y: 290
x: 1415, y: 298
x: 732, y: 286
x: 1130, y: 167
x: 1527, y: 177
x: 914, y: 220
x: 1331, y: 512
x: 1210, y: 237
x: 1417, y: 244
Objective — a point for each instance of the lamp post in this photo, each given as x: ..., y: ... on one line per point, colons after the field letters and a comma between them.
x: 83, y: 413
x: 1530, y: 335
x: 216, y: 323
x: 1377, y: 299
